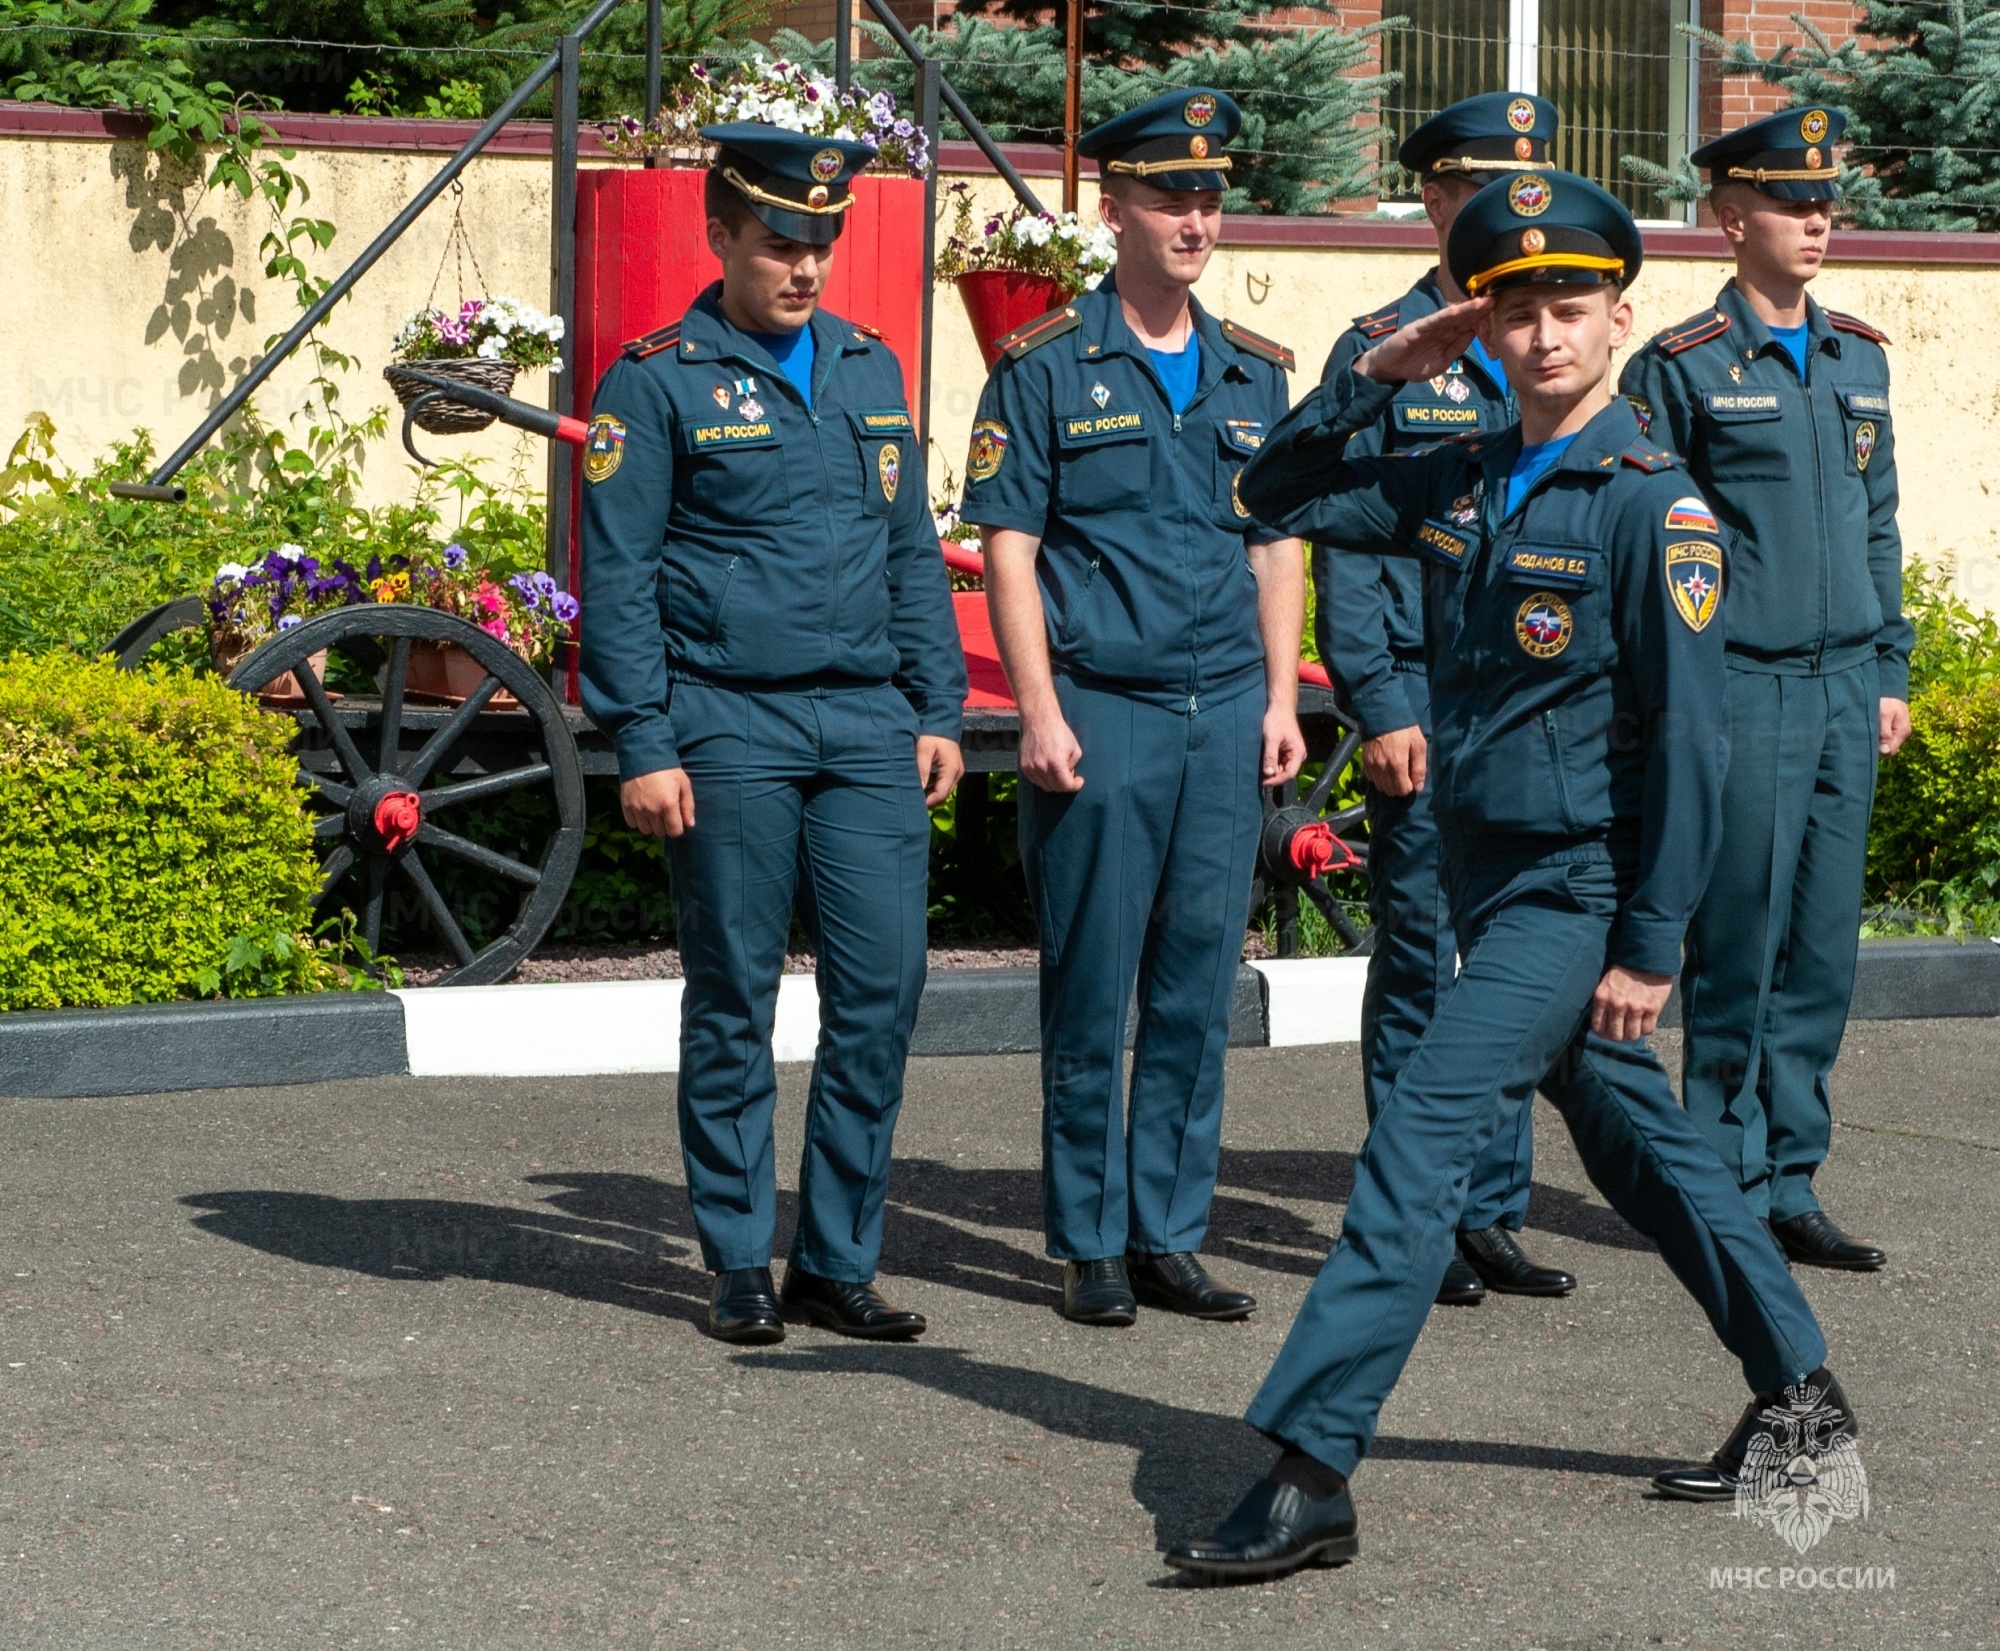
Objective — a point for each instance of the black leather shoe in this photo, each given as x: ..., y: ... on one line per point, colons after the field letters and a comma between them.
x: 1180, y: 1284
x: 1098, y: 1292
x: 1814, y: 1240
x: 1275, y: 1529
x: 1498, y: 1260
x: 1462, y: 1287
x: 743, y: 1308
x: 850, y: 1309
x: 1802, y: 1420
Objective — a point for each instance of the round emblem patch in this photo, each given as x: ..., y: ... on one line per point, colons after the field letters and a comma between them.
x: 1543, y: 625
x: 604, y: 448
x: 1864, y: 443
x: 889, y: 466
x: 1812, y: 159
x: 1199, y: 110
x: 1532, y: 242
x: 826, y: 165
x: 1529, y: 195
x: 1521, y: 115
x: 816, y: 196
x: 1236, y: 498
x: 989, y: 450
x: 1813, y: 126
x: 1198, y: 147
x: 1524, y: 149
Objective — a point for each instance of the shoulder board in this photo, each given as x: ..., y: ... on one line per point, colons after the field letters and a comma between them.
x: 1039, y: 331
x: 1262, y: 348
x: 1647, y: 457
x: 1381, y: 322
x: 1697, y: 329
x: 865, y: 330
x: 652, y: 343
x: 1854, y: 324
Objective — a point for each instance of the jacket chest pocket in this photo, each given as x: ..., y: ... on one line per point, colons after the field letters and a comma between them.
x: 1105, y: 462
x: 735, y: 472
x: 1865, y: 414
x: 1238, y: 442
x: 883, y: 437
x: 1743, y: 432
x: 1547, y: 608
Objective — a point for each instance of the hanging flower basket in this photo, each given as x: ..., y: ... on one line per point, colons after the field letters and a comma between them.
x: 999, y: 300
x: 451, y: 418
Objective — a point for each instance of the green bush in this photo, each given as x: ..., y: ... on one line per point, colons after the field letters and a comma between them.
x: 146, y: 820
x: 1934, y: 847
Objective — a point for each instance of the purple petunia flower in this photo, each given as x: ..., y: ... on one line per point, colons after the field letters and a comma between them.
x: 453, y: 332
x: 902, y: 129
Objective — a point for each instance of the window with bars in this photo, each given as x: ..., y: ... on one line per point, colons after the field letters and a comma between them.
x: 1616, y: 70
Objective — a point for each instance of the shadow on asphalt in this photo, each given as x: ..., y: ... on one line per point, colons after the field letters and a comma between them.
x: 1193, y: 1465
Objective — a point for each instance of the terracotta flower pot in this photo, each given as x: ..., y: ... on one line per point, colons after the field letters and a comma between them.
x: 281, y: 693
x: 999, y: 300
x: 443, y: 673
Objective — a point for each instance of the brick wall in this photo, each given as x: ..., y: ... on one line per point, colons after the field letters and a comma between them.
x: 1767, y: 25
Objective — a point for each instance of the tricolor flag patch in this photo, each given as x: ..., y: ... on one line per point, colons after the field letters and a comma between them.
x: 1692, y: 515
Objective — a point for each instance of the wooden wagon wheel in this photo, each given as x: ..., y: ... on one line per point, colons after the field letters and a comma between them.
x: 128, y: 649
x: 1304, y: 843
x: 384, y: 801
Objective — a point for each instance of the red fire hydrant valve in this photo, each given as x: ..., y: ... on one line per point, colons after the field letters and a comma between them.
x: 1314, y: 849
x: 398, y: 818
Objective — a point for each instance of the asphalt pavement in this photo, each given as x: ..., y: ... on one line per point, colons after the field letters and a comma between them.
x: 416, y: 1363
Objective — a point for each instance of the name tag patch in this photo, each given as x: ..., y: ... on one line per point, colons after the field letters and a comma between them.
x: 729, y: 435
x: 889, y: 422
x: 1694, y: 577
x: 1422, y: 417
x: 1554, y: 567
x: 1245, y: 435
x: 1441, y: 544
x: 1083, y: 428
x: 1740, y: 404
x: 1868, y: 402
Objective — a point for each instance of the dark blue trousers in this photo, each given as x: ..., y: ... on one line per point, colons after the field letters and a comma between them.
x: 1141, y: 877
x: 1411, y: 969
x: 1770, y: 954
x: 1532, y: 940
x: 821, y: 786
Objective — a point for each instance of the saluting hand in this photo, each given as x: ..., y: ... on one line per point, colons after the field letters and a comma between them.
x: 1426, y: 347
x: 661, y: 804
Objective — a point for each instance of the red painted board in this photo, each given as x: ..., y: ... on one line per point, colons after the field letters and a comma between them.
x: 986, y: 683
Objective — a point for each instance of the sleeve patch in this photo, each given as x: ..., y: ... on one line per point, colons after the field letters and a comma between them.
x: 603, y: 448
x: 1690, y: 514
x: 1694, y: 579
x: 989, y: 450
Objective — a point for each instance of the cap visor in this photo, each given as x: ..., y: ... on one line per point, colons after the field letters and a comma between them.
x: 1186, y: 180
x: 1800, y: 189
x: 807, y: 228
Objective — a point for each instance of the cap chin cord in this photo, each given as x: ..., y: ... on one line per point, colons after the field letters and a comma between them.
x: 1466, y: 163
x: 765, y: 197
x: 1180, y: 163
x: 1614, y: 267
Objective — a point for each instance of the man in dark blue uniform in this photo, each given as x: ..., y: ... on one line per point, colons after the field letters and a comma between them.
x: 1149, y: 624
x: 1370, y: 622
x: 1782, y: 409
x: 1576, y: 680
x: 771, y: 645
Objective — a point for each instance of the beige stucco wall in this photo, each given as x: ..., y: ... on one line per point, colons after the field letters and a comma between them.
x: 134, y: 297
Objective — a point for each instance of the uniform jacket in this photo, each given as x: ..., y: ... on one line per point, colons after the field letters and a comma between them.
x: 732, y: 535
x: 1145, y: 580
x: 1573, y: 648
x: 1370, y: 611
x: 1803, y: 477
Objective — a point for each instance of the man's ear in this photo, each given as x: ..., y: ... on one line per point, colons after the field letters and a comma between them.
x: 721, y: 241
x: 1729, y: 218
x: 1112, y: 210
x: 1621, y: 320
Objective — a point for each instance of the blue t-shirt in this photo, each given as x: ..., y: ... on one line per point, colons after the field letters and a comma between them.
x: 1488, y: 362
x: 1180, y: 372
x: 793, y: 352
x: 1794, y: 340
x: 1533, y: 464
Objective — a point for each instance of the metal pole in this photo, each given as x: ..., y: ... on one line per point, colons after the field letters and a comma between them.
x: 1072, y: 101
x: 655, y: 35
x: 246, y: 386
x: 843, y: 43
x: 893, y: 26
x: 929, y: 79
x: 563, y: 392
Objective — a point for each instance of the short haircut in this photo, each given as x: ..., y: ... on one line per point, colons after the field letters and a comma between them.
x: 1118, y: 185
x: 722, y: 199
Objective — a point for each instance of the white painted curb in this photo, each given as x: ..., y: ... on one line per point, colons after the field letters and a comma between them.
x: 1313, y: 999
x: 580, y: 1029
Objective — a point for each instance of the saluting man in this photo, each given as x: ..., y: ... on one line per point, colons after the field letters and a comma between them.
x: 1149, y: 625
x: 1370, y: 620
x: 1576, y: 679
x: 1782, y: 409
x: 771, y: 645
